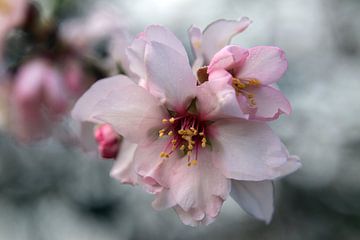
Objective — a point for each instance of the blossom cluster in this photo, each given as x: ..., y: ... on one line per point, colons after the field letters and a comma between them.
x: 45, y: 65
x: 193, y: 135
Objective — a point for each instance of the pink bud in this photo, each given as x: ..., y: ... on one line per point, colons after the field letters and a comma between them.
x: 108, y: 141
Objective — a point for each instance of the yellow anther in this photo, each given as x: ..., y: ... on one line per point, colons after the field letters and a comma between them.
x: 164, y: 120
x: 190, y: 147
x: 182, y: 147
x: 161, y: 134
x: 201, y: 133
x: 164, y: 155
x: 173, y: 141
x: 254, y: 82
x: 170, y: 133
x: 172, y: 120
x: 238, y: 84
x: 192, y: 163
x: 203, y: 139
x: 181, y: 131
x: 203, y: 144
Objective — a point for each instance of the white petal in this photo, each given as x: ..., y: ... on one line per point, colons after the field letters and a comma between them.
x: 169, y: 76
x: 219, y: 33
x: 118, y: 101
x: 256, y: 198
x: 135, y: 54
x: 248, y: 150
x: 123, y: 169
x: 160, y: 34
x: 195, y: 36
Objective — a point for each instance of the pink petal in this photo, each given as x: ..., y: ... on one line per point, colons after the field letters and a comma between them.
x: 198, y: 190
x: 135, y: 54
x: 256, y: 198
x: 266, y: 64
x: 229, y: 57
x: 163, y: 200
x: 247, y: 151
x: 29, y: 81
x: 118, y: 101
x: 54, y: 90
x: 120, y: 40
x: 160, y: 34
x: 217, y: 98
x: 270, y: 103
x: 219, y: 33
x: 123, y: 169
x: 169, y: 75
x: 195, y: 36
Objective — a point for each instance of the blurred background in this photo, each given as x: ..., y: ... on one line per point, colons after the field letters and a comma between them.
x: 51, y: 190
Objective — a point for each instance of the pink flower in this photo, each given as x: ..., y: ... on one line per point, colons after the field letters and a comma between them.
x: 108, y: 141
x: 42, y: 94
x: 177, y: 143
x: 245, y: 77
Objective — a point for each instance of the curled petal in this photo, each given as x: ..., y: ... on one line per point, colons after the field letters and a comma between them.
x: 123, y: 169
x: 248, y: 150
x: 256, y: 198
x: 198, y: 191
x: 264, y: 63
x: 219, y: 33
x: 118, y: 101
x: 270, y: 103
x: 135, y: 55
x: 217, y: 99
x: 170, y: 77
x: 195, y: 36
x: 163, y: 200
x: 229, y: 57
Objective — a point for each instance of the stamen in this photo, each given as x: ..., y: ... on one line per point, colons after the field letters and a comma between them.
x: 164, y: 120
x: 161, y: 132
x: 164, y: 155
x: 172, y: 120
x: 170, y: 133
x: 253, y: 82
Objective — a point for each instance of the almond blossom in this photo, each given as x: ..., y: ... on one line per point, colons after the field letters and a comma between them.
x: 243, y: 79
x: 177, y: 142
x: 41, y: 94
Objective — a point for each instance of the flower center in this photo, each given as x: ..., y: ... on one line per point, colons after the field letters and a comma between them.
x: 242, y: 86
x: 186, y: 135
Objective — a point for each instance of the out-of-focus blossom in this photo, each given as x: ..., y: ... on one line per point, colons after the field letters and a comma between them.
x: 215, y: 36
x: 103, y: 25
x: 177, y: 142
x: 42, y: 94
x: 108, y: 141
x: 243, y: 78
x: 12, y: 14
